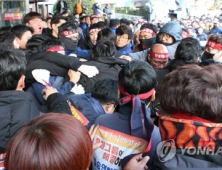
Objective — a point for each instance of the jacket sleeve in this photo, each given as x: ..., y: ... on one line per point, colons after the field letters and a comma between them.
x: 142, y: 55
x: 58, y: 104
x: 65, y: 61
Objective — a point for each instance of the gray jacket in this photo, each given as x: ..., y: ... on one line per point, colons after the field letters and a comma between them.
x: 171, y: 28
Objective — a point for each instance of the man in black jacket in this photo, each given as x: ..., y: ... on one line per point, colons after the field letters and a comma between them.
x: 105, y: 61
x: 18, y: 107
x: 61, y: 6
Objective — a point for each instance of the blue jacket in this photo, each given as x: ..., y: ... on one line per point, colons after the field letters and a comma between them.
x: 216, y: 31
x: 88, y: 106
x: 56, y: 82
x: 86, y: 54
x: 84, y: 27
x: 126, y: 49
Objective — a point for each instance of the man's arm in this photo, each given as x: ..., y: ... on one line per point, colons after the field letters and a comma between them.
x: 55, y: 101
x: 142, y: 55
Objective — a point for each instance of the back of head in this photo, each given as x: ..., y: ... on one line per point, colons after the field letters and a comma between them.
x: 124, y: 21
x: 105, y: 91
x: 124, y: 29
x: 114, y: 23
x: 104, y: 48
x: 30, y: 16
x: 50, y: 142
x: 34, y: 42
x: 106, y: 34
x: 5, y: 29
x: 188, y: 50
x: 193, y: 90
x: 56, y: 19
x: 7, y: 38
x: 19, y: 30
x: 12, y: 67
x: 137, y: 77
x: 50, y: 43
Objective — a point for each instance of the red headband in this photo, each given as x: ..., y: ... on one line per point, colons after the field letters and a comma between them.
x: 147, y: 30
x: 56, y: 48
x: 185, y: 33
x: 94, y: 30
x: 214, y: 45
x: 161, y: 56
x: 67, y: 32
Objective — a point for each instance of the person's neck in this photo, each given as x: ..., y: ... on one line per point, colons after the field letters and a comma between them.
x: 54, y: 34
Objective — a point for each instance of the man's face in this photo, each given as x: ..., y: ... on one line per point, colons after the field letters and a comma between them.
x: 23, y: 40
x: 166, y: 38
x: 145, y: 35
x: 157, y: 64
x: 93, y: 37
x: 122, y: 40
x: 36, y: 24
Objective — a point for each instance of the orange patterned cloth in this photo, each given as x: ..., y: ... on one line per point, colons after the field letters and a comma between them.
x: 190, y: 133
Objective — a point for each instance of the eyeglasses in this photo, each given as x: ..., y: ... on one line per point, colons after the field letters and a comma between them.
x: 164, y: 35
x: 121, y: 37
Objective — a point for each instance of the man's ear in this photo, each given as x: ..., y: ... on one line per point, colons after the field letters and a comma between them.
x: 196, y: 61
x: 148, y: 57
x: 153, y: 97
x: 21, y: 83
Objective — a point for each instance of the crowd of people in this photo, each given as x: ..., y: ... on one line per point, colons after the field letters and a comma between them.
x: 92, y: 92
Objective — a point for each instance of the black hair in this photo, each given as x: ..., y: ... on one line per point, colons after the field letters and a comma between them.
x: 104, y: 48
x: 34, y: 42
x: 68, y: 26
x: 187, y: 52
x: 137, y: 77
x: 48, y: 44
x: 56, y: 19
x: 124, y: 29
x: 19, y: 30
x: 7, y: 38
x: 102, y: 24
x: 124, y: 21
x: 48, y: 18
x: 5, y: 29
x: 106, y: 34
x: 30, y: 16
x: 114, y: 23
x: 105, y: 91
x: 12, y: 67
x: 150, y: 26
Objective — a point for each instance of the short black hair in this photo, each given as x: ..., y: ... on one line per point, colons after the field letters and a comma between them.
x: 56, y: 19
x: 12, y: 67
x: 105, y: 91
x: 106, y: 34
x: 30, y: 16
x: 7, y: 38
x: 48, y: 44
x: 20, y: 29
x: 35, y: 41
x: 5, y: 29
x: 104, y: 48
x: 124, y: 29
x: 150, y: 26
x: 114, y: 23
x: 124, y: 21
x: 209, y: 62
x: 137, y: 77
x: 68, y: 26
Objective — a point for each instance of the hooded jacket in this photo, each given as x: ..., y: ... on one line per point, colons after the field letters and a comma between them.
x: 172, y: 28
